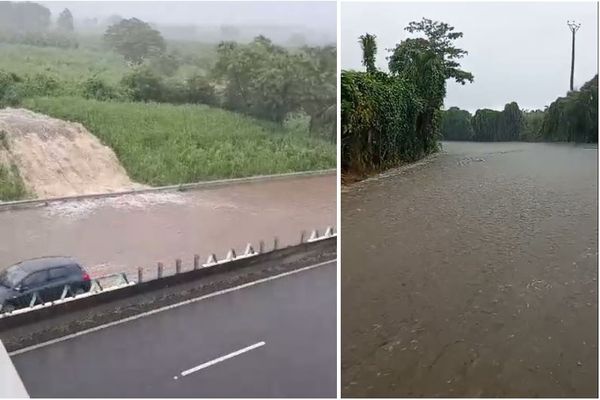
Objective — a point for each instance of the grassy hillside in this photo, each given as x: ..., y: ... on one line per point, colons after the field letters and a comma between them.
x: 161, y: 144
x: 63, y: 64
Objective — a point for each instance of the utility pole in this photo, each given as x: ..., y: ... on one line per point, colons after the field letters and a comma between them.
x: 573, y: 26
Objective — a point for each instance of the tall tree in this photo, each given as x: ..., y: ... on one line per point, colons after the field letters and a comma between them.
x: 439, y: 38
x: 135, y: 40
x: 65, y: 21
x: 368, y: 43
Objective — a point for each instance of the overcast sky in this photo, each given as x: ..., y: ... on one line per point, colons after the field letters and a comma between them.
x: 318, y: 16
x: 517, y: 51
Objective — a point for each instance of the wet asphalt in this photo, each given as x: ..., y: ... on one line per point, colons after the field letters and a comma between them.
x: 295, y: 317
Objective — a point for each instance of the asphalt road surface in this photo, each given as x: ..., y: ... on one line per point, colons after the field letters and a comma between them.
x: 273, y: 339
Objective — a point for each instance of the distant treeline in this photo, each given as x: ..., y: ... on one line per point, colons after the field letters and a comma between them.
x: 573, y: 118
x: 31, y: 23
x: 390, y: 118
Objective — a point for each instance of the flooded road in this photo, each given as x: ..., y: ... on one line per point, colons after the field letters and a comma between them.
x: 122, y: 234
x: 473, y: 274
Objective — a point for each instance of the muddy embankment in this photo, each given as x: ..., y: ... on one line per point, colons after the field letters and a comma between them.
x: 55, y: 158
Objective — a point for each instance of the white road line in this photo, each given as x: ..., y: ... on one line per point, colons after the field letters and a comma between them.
x: 220, y: 359
x: 169, y: 307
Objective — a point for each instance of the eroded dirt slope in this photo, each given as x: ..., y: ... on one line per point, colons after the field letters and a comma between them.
x: 59, y: 158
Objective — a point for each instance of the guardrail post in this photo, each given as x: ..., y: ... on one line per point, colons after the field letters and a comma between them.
x: 302, y: 236
x: 196, y: 261
x: 261, y: 247
x: 159, y: 270
x: 140, y: 274
x: 178, y: 266
x: 275, y: 243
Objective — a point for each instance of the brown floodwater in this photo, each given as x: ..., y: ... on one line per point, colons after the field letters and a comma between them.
x: 473, y: 274
x: 121, y: 234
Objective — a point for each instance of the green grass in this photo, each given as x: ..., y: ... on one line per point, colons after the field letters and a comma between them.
x: 162, y: 144
x: 72, y: 65
x: 11, y: 184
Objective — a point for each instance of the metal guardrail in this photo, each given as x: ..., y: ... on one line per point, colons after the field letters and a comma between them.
x: 120, y: 280
x: 68, y: 294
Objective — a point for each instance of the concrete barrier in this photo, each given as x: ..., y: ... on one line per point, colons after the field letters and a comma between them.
x: 11, y: 385
x: 46, y: 323
x: 20, y: 204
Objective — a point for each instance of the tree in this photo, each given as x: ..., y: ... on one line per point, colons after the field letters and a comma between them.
x: 135, y: 40
x: 24, y: 17
x: 368, y: 44
x: 511, y: 123
x: 573, y: 118
x: 65, y: 21
x: 439, y: 38
x: 456, y: 124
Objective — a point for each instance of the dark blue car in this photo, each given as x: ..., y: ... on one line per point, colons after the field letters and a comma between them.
x: 45, y: 276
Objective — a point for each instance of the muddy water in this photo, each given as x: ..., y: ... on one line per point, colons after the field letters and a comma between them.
x: 121, y: 234
x: 473, y: 274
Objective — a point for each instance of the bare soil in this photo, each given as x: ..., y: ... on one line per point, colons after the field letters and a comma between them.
x: 58, y: 158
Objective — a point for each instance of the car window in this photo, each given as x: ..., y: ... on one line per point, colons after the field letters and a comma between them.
x: 36, y: 279
x: 12, y: 276
x: 59, y: 273
x: 74, y: 270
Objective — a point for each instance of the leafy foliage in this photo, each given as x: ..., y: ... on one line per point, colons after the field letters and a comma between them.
x: 573, y: 118
x: 392, y: 118
x: 439, y: 37
x: 269, y: 82
x: 65, y: 21
x: 456, y: 124
x: 369, y: 48
x: 135, y: 40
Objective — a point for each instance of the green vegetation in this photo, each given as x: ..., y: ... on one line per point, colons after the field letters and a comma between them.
x: 173, y: 111
x: 568, y: 119
x: 160, y: 144
x: 573, y: 118
x: 11, y: 184
x: 392, y: 118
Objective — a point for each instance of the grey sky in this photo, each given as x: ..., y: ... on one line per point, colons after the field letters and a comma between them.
x: 517, y: 51
x: 318, y: 16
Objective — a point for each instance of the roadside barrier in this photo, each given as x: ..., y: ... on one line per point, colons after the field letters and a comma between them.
x: 117, y: 282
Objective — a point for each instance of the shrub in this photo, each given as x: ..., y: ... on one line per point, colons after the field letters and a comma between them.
x: 40, y: 85
x: 10, y: 94
x: 141, y: 84
x: 199, y: 90
x: 96, y: 88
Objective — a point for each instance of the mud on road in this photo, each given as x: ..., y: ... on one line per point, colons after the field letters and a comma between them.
x: 120, y: 234
x: 474, y: 275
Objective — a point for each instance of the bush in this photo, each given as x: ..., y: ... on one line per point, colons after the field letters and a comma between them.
x: 40, y: 85
x: 10, y: 94
x: 141, y: 84
x: 96, y: 88
x: 199, y: 90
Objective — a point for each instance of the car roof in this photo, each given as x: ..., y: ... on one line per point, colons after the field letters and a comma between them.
x: 41, y: 263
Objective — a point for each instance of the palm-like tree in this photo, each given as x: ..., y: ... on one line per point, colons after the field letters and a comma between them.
x: 369, y: 48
